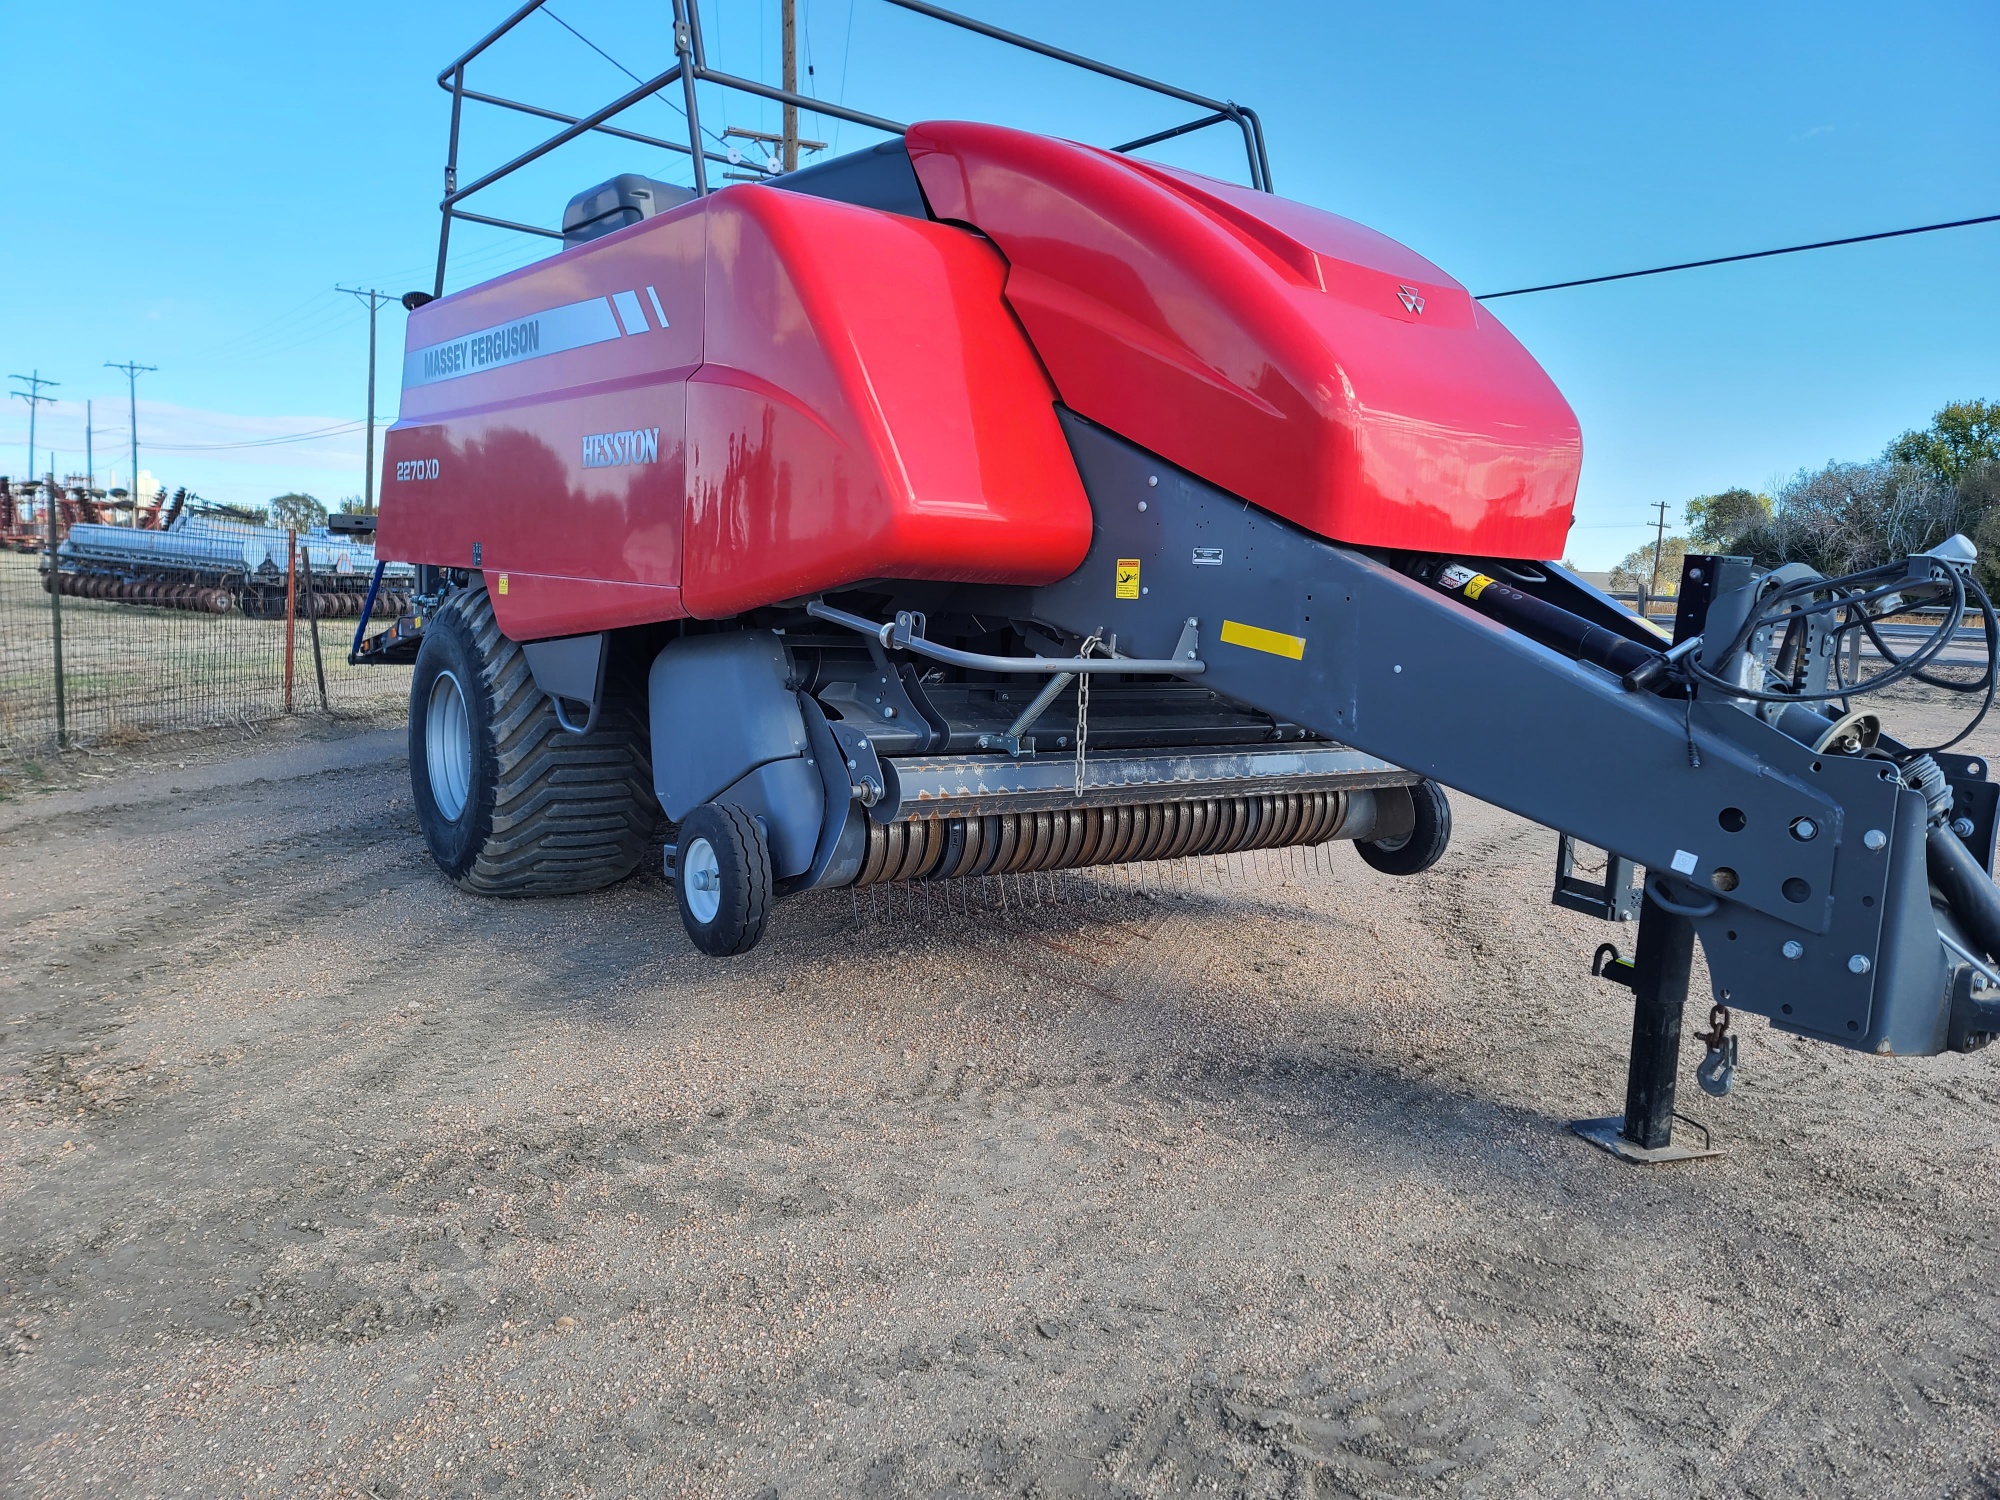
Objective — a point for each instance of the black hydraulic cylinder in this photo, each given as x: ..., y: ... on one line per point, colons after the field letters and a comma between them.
x: 1553, y: 626
x: 1660, y: 971
x: 1968, y: 890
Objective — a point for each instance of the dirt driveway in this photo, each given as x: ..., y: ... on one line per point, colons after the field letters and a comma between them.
x: 320, y: 1177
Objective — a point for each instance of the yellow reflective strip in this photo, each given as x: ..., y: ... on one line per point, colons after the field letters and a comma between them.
x: 1276, y: 642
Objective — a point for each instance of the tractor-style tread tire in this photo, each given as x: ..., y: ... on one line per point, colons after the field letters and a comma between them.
x: 550, y: 813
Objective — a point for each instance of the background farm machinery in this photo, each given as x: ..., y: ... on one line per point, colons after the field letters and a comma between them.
x: 214, y: 565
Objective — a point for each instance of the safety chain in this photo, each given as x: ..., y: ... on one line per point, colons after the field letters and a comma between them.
x: 1090, y: 647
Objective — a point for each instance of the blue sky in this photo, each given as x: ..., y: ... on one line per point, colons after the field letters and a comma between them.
x: 197, y: 177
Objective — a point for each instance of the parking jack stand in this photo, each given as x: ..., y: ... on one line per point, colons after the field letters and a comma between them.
x: 1660, y: 969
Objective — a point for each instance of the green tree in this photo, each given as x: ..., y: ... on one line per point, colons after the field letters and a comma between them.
x: 296, y: 510
x: 1962, y: 436
x: 1848, y: 516
x: 1715, y: 522
x: 1979, y: 493
x: 1635, y: 570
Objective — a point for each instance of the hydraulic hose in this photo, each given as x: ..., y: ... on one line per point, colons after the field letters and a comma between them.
x: 1550, y: 624
x: 1968, y: 890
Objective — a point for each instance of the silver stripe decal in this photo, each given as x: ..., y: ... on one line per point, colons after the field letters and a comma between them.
x: 630, y: 313
x: 572, y: 326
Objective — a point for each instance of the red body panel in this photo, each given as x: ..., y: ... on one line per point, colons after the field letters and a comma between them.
x: 763, y: 395
x: 867, y: 409
x: 1269, y: 347
x: 583, y: 548
x: 840, y: 394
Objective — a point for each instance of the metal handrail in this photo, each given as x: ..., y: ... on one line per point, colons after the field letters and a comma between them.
x: 1253, y: 135
x: 691, y: 67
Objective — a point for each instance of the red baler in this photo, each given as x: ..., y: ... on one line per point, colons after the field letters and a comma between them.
x: 787, y: 522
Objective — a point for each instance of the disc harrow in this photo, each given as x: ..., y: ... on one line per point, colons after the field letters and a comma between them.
x: 208, y: 599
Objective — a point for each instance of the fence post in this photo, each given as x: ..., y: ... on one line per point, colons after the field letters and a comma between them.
x: 53, y: 580
x: 312, y: 618
x: 291, y: 605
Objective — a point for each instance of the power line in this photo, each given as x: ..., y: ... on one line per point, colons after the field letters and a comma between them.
x: 627, y: 72
x: 269, y: 442
x: 1723, y: 260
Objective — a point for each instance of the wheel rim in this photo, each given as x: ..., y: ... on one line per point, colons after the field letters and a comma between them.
x: 448, y: 746
x: 701, y: 881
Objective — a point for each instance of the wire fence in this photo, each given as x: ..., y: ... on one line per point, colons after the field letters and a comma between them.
x: 207, y: 623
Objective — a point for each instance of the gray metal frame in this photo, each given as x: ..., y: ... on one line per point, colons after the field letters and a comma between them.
x: 691, y: 67
x: 1828, y: 931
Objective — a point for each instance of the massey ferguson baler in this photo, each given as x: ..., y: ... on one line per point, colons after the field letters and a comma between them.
x: 984, y: 502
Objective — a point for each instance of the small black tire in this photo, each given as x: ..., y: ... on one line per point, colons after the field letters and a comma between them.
x: 722, y: 879
x: 510, y: 802
x: 1425, y: 843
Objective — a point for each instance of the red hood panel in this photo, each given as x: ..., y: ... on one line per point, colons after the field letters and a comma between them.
x: 1318, y: 369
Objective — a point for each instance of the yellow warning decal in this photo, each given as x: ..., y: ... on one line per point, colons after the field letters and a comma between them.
x: 1128, y: 578
x: 503, y: 583
x: 1478, y: 586
x: 1276, y: 642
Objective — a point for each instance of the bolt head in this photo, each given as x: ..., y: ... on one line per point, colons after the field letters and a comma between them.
x: 1152, y: 481
x: 1962, y: 827
x: 888, y: 710
x: 1858, y: 964
x: 1804, y: 830
x: 1793, y: 948
x: 1874, y: 838
x: 1142, y: 505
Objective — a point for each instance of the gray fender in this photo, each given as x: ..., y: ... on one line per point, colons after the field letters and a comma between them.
x: 727, y: 728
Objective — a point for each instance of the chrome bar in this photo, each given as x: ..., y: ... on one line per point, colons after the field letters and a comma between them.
x: 959, y: 786
x: 979, y: 661
x: 564, y: 137
x: 488, y: 40
x: 801, y: 101
x: 1166, y: 135
x: 461, y: 213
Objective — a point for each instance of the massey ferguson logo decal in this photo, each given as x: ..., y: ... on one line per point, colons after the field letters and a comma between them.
x: 608, y: 450
x: 1411, y: 299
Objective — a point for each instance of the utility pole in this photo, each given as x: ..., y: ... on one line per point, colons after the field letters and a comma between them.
x: 1659, y: 545
x: 35, y: 399
x: 374, y: 299
x: 51, y: 524
x: 789, y: 27
x: 132, y: 374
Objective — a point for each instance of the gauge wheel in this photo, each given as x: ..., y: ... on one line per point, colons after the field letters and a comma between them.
x: 722, y: 879
x: 510, y: 802
x: 1425, y: 843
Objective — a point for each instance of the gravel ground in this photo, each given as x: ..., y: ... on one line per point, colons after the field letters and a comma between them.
x: 319, y: 1176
